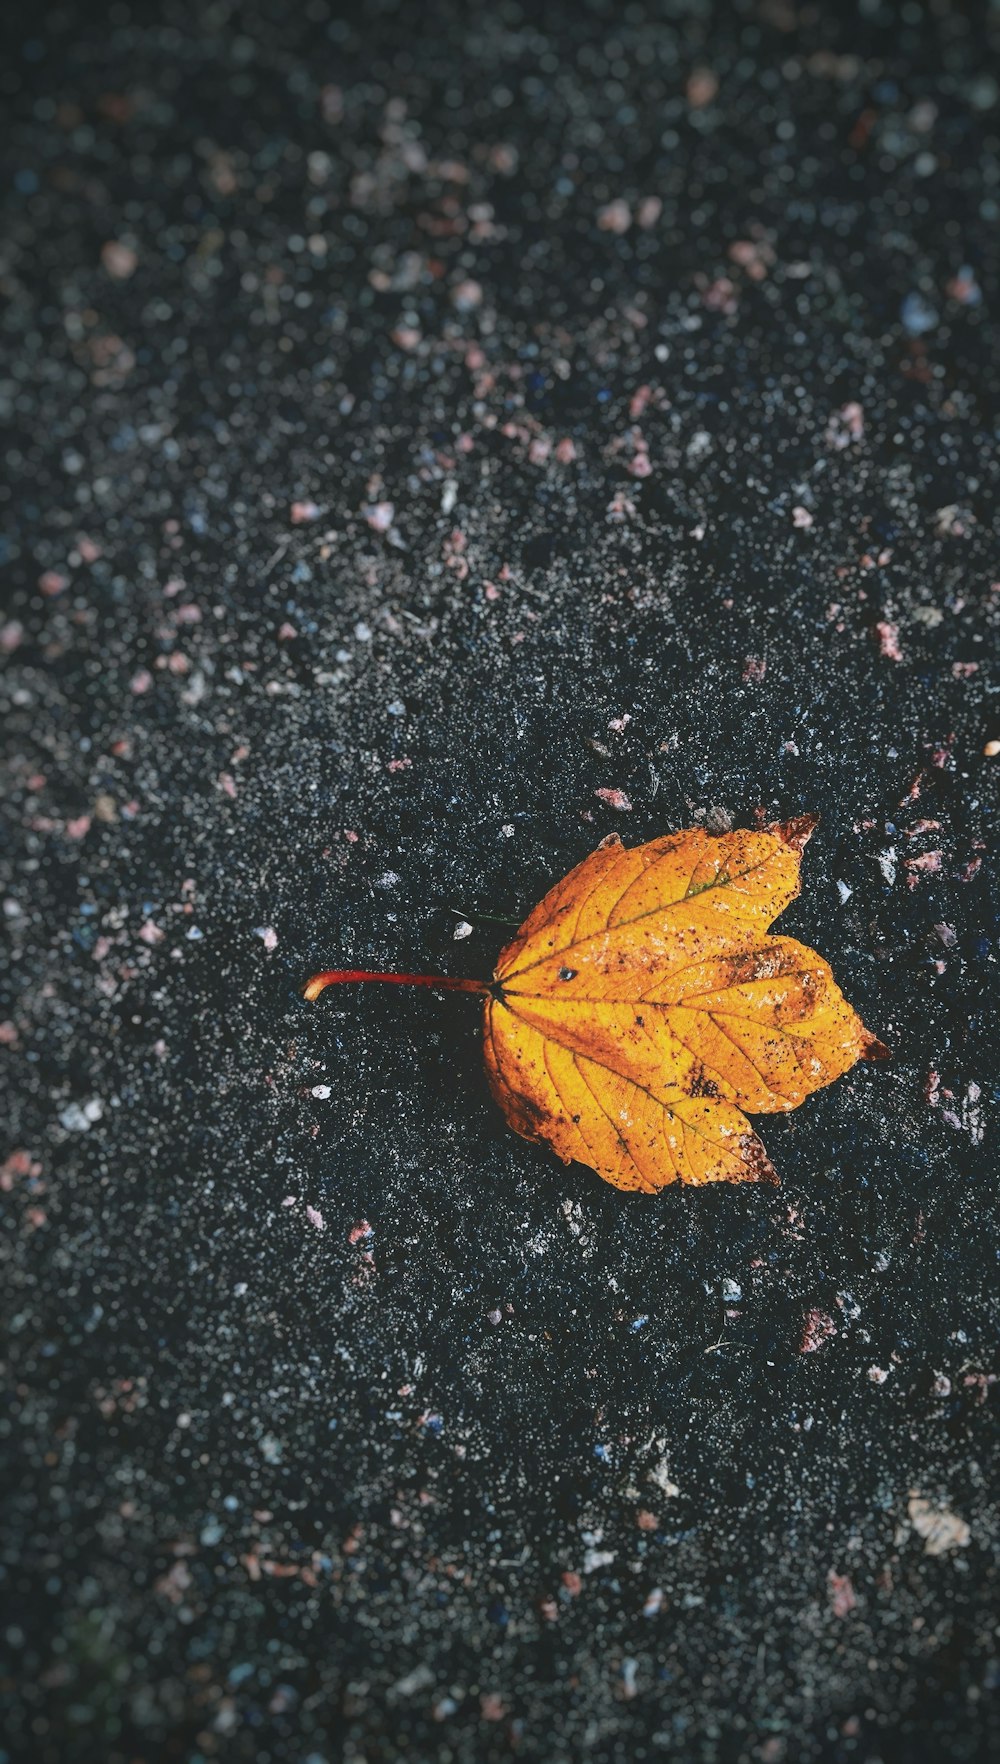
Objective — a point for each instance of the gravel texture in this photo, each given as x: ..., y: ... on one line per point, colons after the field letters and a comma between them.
x: 426, y: 431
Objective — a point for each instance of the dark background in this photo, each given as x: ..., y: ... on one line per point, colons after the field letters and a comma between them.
x: 513, y: 1472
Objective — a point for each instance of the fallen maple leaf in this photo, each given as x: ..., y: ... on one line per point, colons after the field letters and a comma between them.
x: 641, y: 1008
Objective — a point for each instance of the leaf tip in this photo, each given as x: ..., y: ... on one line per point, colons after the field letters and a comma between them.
x: 797, y: 832
x: 759, y: 1167
x: 874, y: 1049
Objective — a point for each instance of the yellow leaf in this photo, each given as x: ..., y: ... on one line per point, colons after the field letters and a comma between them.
x: 642, y: 1007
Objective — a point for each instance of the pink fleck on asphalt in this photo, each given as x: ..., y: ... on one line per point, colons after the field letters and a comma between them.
x: 888, y: 640
x: 818, y: 1327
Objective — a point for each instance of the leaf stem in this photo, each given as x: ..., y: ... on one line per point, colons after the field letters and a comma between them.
x: 336, y: 976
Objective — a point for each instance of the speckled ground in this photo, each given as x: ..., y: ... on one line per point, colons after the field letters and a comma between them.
x: 419, y: 425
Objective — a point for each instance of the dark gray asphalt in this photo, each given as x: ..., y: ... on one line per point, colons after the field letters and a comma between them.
x: 418, y: 426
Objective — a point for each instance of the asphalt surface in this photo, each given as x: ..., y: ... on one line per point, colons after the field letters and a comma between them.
x: 418, y: 425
